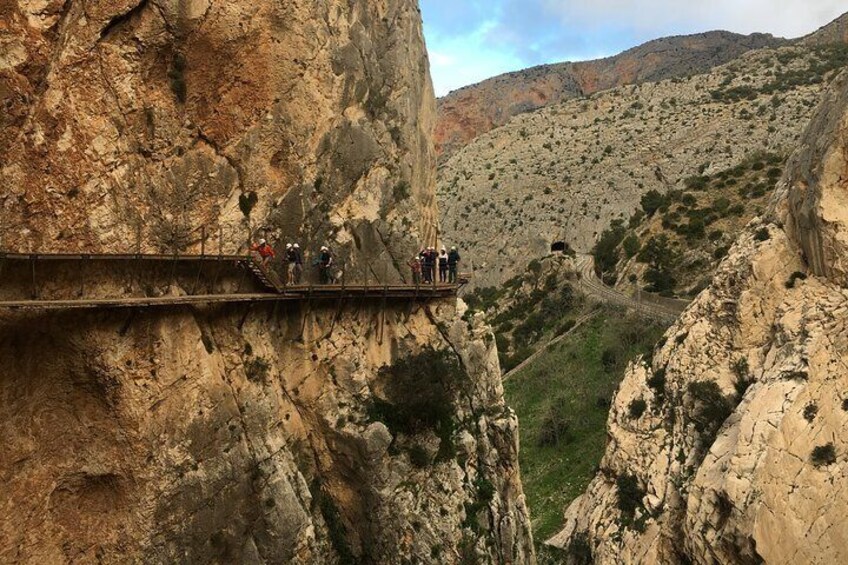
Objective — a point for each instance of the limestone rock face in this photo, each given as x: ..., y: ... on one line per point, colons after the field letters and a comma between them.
x: 233, y: 434
x: 742, y: 453
x: 138, y: 123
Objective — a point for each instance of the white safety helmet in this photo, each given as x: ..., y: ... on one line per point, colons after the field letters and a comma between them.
x: 262, y: 242
x: 296, y: 246
x: 324, y: 248
x: 288, y: 246
x: 453, y: 248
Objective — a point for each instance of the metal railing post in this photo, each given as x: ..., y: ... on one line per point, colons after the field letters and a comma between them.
x: 32, y: 260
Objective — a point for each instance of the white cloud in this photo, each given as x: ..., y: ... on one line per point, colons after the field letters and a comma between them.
x: 788, y: 18
x: 441, y: 59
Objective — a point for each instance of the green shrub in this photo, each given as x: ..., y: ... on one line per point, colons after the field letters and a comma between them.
x: 737, y: 210
x: 631, y: 246
x: 484, y: 493
x: 698, y: 182
x: 710, y: 409
x: 658, y: 253
x: 605, y: 251
x: 810, y: 411
x: 556, y: 425
x: 721, y: 205
x: 659, y: 281
x: 823, y: 455
x: 566, y: 327
x: 637, y: 408
x: 630, y: 496
x: 420, y: 392
x: 401, y: 191
x: 796, y: 276
x: 419, y: 457
x: 579, y: 551
x: 636, y: 218
x: 762, y: 234
x: 652, y: 201
x: 256, y: 369
x: 744, y: 379
x: 656, y: 382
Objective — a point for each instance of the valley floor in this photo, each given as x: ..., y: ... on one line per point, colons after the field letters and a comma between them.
x: 562, y: 399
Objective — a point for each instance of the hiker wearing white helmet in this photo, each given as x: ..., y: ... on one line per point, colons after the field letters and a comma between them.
x: 265, y: 252
x: 443, y: 265
x: 298, y: 263
x: 325, y: 263
x: 291, y: 263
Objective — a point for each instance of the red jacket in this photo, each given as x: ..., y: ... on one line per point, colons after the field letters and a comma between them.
x: 264, y: 250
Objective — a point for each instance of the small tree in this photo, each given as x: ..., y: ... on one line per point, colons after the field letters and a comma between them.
x: 631, y: 246
x: 653, y: 201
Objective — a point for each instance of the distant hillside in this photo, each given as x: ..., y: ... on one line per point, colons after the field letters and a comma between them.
x: 563, y: 173
x: 471, y: 111
x: 834, y: 32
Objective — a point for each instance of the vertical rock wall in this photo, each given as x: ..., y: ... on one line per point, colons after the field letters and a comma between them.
x: 234, y: 434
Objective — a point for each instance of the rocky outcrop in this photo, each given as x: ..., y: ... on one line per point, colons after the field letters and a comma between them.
x: 236, y: 434
x: 474, y: 110
x: 740, y: 456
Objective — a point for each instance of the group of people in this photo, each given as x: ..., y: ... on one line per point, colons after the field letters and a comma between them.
x: 425, y: 264
x: 293, y: 259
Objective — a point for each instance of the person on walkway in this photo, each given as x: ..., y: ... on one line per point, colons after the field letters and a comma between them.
x: 415, y: 265
x: 291, y: 263
x: 325, y: 264
x: 443, y: 265
x: 432, y: 258
x: 298, y: 263
x: 425, y: 270
x: 265, y: 251
x: 453, y: 264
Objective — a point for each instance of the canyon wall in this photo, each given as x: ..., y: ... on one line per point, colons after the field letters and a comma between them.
x: 740, y: 456
x: 234, y: 433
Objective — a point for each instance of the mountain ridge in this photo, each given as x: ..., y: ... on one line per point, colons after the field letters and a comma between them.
x: 469, y: 111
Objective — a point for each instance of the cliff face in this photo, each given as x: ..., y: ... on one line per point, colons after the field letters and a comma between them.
x: 474, y: 110
x: 159, y: 116
x: 234, y: 434
x: 740, y: 456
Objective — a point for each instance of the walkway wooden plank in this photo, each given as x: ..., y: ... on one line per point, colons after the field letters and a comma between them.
x: 119, y: 257
x: 292, y: 294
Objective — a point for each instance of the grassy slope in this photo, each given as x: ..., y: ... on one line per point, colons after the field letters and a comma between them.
x: 572, y: 376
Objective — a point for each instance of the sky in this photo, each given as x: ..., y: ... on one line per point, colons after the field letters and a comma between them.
x: 471, y: 40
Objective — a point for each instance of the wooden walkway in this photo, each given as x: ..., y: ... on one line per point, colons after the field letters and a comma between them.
x: 276, y: 291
